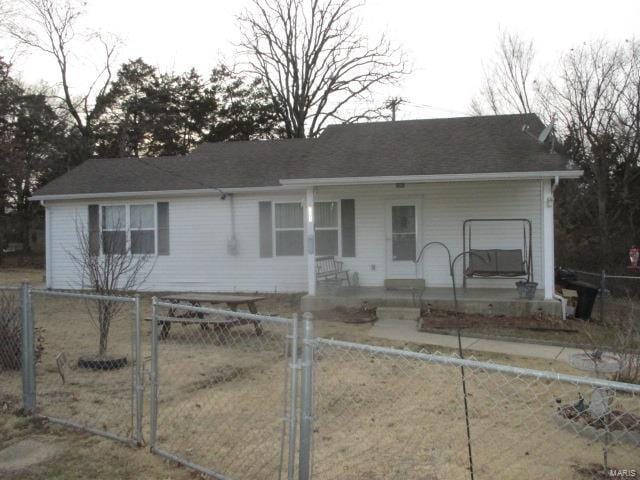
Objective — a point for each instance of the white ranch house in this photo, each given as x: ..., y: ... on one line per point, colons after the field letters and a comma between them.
x: 253, y: 216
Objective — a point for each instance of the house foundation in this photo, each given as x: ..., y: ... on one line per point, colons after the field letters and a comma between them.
x: 486, y: 301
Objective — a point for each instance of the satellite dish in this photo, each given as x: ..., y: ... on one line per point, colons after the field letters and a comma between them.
x: 544, y: 135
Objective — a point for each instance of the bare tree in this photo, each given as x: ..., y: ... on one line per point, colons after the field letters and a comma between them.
x: 596, y: 99
x: 53, y: 27
x: 314, y: 61
x: 108, y: 266
x: 508, y: 86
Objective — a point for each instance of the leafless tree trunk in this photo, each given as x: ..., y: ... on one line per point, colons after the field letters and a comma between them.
x: 51, y: 27
x: 314, y: 61
x: 110, y: 270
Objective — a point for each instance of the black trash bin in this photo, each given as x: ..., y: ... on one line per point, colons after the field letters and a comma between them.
x: 587, y: 293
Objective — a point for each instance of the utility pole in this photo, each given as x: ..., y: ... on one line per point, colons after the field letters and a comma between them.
x: 393, y: 103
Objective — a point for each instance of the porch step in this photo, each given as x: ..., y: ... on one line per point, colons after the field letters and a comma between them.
x: 404, y: 283
x: 397, y: 313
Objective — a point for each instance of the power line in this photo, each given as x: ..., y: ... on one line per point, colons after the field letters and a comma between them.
x: 442, y: 109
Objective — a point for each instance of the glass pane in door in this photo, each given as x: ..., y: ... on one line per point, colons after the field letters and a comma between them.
x: 403, y: 232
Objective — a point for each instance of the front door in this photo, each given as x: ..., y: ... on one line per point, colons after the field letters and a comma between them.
x: 402, y: 238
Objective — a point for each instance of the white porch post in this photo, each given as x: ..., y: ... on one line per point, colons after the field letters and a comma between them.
x: 548, y: 255
x: 311, y: 242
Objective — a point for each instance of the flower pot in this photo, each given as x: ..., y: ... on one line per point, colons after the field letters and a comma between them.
x: 526, y: 290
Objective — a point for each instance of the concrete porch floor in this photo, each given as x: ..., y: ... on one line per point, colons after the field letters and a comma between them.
x: 489, y: 301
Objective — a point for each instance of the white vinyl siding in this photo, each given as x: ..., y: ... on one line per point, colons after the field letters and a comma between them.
x: 201, y: 227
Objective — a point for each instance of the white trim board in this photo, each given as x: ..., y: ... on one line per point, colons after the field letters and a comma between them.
x: 453, y: 177
x: 299, y: 184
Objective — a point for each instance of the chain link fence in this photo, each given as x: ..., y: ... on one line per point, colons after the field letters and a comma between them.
x: 614, y: 326
x: 88, y: 374
x: 223, y: 383
x: 236, y: 395
x: 383, y: 413
x: 10, y: 348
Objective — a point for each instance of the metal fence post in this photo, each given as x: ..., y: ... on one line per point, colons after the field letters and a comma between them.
x: 293, y: 392
x: 306, y: 407
x: 28, y: 350
x: 138, y: 382
x: 153, y: 376
x: 603, y: 289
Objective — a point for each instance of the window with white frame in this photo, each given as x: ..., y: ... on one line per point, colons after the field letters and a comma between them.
x: 289, y: 229
x: 143, y: 229
x: 327, y: 228
x: 114, y: 230
x: 136, y: 230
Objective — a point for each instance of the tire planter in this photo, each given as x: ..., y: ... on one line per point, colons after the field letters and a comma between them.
x: 102, y: 363
x: 605, y: 364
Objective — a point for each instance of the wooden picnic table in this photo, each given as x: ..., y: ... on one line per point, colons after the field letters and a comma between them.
x: 209, y: 299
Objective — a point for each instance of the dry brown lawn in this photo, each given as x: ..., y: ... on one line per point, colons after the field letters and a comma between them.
x: 221, y: 405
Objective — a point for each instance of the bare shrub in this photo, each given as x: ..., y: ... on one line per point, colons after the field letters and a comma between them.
x: 108, y: 266
x: 11, y: 333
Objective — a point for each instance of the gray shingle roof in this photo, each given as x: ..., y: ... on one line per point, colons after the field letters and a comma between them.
x: 491, y: 144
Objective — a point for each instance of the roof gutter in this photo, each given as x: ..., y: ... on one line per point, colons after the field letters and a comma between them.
x: 453, y: 177
x: 164, y: 193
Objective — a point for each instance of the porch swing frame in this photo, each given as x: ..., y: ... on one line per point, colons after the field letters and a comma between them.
x: 526, y: 252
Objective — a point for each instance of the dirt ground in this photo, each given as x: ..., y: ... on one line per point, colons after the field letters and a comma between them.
x: 535, y: 328
x: 221, y: 399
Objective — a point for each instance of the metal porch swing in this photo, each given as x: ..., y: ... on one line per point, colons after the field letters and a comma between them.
x: 496, y: 262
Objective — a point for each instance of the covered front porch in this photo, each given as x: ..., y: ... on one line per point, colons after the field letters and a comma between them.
x: 489, y: 301
x: 390, y: 226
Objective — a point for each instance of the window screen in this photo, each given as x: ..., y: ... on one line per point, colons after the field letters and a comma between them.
x: 289, y: 229
x: 114, y: 230
x: 327, y: 228
x: 143, y: 228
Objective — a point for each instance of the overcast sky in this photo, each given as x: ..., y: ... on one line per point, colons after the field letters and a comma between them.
x: 446, y: 41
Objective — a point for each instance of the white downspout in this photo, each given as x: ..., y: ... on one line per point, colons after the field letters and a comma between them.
x: 560, y: 298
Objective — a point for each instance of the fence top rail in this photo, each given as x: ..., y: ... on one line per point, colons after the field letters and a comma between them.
x: 475, y: 364
x: 622, y: 277
x: 606, y: 275
x: 85, y: 296
x: 9, y: 288
x: 227, y: 313
x: 593, y: 274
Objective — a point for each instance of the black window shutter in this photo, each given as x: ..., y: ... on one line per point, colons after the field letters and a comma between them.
x: 348, y: 216
x: 266, y: 230
x: 94, y: 230
x: 163, y: 228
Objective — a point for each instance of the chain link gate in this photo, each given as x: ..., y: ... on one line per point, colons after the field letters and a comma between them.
x: 223, y: 391
x: 86, y: 368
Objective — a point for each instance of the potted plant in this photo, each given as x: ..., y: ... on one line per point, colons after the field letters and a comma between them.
x: 527, y: 288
